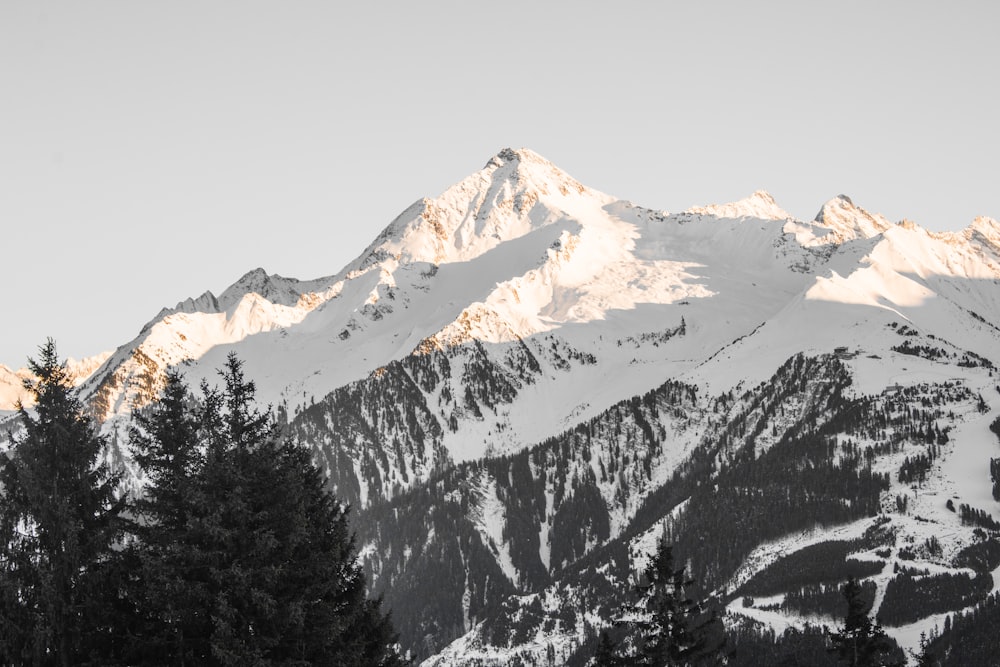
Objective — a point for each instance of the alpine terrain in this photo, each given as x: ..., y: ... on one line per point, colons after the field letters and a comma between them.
x: 523, y: 384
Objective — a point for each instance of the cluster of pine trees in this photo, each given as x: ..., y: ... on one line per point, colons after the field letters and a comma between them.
x: 670, y: 628
x: 667, y: 626
x: 233, y: 554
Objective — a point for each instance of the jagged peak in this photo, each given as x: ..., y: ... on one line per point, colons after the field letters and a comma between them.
x: 759, y: 205
x: 525, y: 168
x: 985, y: 224
x: 273, y: 287
x: 848, y: 220
x: 987, y: 229
x: 503, y: 157
x: 515, y: 193
x: 256, y: 280
x: 508, y: 155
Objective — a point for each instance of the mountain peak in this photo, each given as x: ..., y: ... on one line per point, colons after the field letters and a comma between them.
x: 508, y: 154
x: 986, y: 229
x: 847, y: 220
x: 759, y: 205
x: 503, y: 157
x: 525, y: 169
x: 515, y: 193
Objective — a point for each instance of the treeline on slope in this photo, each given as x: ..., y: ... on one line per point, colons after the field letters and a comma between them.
x: 808, y: 389
x: 807, y: 477
x: 372, y: 437
x: 981, y: 556
x: 664, y: 625
x: 560, y: 484
x: 235, y: 554
x: 797, y: 414
x: 858, y: 641
x: 910, y: 597
x: 742, y: 422
x: 754, y: 644
x: 995, y: 462
x: 824, y: 599
x: 378, y: 436
x: 968, y: 638
x: 426, y: 556
x: 802, y: 481
x: 588, y: 471
x: 825, y: 562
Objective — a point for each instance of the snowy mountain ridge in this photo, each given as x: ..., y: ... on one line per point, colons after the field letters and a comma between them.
x: 550, y: 374
x: 548, y: 251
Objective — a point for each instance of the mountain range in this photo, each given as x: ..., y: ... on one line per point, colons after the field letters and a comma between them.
x: 521, y: 383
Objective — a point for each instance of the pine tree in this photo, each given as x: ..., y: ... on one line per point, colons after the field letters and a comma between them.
x: 171, y: 583
x: 665, y: 635
x: 926, y: 657
x: 675, y: 629
x: 59, y: 523
x: 261, y: 558
x: 606, y: 654
x: 861, y: 643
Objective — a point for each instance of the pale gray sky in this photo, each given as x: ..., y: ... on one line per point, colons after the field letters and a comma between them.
x: 152, y: 151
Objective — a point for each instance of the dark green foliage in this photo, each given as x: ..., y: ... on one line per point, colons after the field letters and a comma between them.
x: 672, y: 628
x: 909, y: 598
x: 982, y: 556
x: 426, y: 553
x: 914, y: 470
x: 926, y: 657
x: 825, y: 562
x: 357, y: 429
x: 423, y: 536
x: 59, y: 523
x: 606, y: 654
x: 567, y: 488
x: 754, y: 646
x: 971, y: 638
x: 170, y: 582
x: 255, y: 563
x: 795, y: 485
x: 977, y: 517
x: 995, y: 463
x: 798, y: 483
x: 824, y: 599
x: 925, y: 351
x: 859, y: 642
x: 581, y: 520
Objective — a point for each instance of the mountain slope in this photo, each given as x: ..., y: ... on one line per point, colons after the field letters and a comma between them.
x: 523, y: 380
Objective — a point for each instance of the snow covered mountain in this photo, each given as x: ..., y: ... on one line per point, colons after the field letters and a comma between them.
x: 12, y: 381
x: 525, y: 380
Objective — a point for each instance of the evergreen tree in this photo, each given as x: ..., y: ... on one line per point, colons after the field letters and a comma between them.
x: 926, y: 656
x: 256, y: 561
x: 861, y: 643
x: 171, y: 583
x: 606, y: 654
x: 674, y: 629
x: 59, y: 522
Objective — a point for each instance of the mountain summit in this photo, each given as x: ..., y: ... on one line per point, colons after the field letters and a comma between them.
x: 848, y: 221
x: 522, y: 382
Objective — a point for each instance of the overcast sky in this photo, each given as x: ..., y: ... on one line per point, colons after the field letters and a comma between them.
x: 152, y: 151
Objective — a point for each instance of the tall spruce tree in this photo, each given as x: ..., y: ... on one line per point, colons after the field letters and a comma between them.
x: 258, y: 551
x: 171, y: 583
x: 674, y: 629
x: 59, y: 523
x: 607, y: 653
x: 860, y: 642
